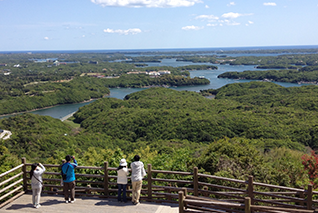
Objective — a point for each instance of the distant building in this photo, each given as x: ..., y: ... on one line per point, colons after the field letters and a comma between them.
x: 17, y: 65
x: 164, y: 72
x: 160, y: 72
x: 153, y: 73
x: 93, y: 62
x: 3, y: 65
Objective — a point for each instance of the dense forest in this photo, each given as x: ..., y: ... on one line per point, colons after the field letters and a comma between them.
x: 307, y: 74
x: 254, y: 128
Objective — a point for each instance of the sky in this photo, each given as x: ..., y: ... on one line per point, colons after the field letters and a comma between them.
x: 30, y: 25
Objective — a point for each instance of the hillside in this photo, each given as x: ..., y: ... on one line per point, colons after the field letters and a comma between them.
x: 254, y: 128
x: 256, y: 110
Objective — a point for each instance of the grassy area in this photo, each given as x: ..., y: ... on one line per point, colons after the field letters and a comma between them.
x: 70, y: 122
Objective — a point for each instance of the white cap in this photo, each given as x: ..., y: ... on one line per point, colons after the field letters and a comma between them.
x: 123, y: 162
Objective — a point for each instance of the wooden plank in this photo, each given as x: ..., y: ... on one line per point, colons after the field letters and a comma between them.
x: 273, y: 202
x: 278, y: 187
x: 11, y: 199
x: 11, y: 170
x: 295, y: 199
x: 172, y: 172
x: 222, y: 187
x: 217, y: 203
x: 222, y: 178
x: 11, y: 185
x: 213, y: 209
x: 11, y: 192
x: 11, y: 178
x: 172, y: 180
x: 255, y: 207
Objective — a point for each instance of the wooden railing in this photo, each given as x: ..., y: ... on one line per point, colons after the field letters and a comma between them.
x: 201, y: 192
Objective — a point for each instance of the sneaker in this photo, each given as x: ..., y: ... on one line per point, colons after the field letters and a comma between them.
x: 72, y: 201
x: 136, y: 203
x: 37, y: 206
x: 66, y: 201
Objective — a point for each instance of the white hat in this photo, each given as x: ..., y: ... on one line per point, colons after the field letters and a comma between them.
x: 123, y: 162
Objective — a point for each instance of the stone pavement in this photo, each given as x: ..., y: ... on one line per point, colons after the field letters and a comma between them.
x: 56, y: 204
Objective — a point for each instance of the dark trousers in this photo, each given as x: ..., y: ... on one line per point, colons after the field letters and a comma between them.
x: 122, y: 189
x: 69, y: 189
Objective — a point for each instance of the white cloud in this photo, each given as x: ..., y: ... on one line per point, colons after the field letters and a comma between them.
x: 212, y: 25
x: 231, y: 4
x: 234, y: 15
x: 124, y: 32
x: 269, y: 4
x: 146, y: 3
x: 207, y: 17
x: 231, y: 15
x: 46, y: 38
x: 207, y: 6
x: 250, y: 22
x: 192, y: 27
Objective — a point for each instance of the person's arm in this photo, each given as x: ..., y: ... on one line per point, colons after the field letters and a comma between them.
x: 74, y: 162
x: 143, y: 171
x: 43, y: 168
x: 126, y: 171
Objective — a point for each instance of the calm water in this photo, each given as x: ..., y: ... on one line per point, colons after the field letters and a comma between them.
x: 64, y: 110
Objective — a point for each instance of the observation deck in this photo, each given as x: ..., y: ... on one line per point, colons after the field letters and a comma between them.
x: 55, y: 204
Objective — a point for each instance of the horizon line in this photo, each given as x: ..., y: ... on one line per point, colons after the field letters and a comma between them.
x: 277, y: 47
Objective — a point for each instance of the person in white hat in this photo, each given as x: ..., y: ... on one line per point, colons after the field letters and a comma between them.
x: 122, y: 173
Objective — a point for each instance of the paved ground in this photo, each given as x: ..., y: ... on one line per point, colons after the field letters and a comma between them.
x: 56, y: 204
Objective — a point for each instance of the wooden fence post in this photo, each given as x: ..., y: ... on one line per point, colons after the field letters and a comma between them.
x: 106, y: 192
x: 250, y: 189
x: 25, y: 186
x: 309, y: 197
x: 149, y: 182
x: 247, y: 202
x: 195, y: 181
x: 181, y: 198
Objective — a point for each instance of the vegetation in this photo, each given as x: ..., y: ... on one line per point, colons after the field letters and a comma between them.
x: 308, y: 74
x: 256, y: 128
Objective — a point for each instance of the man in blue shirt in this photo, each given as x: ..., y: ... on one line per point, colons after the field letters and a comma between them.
x: 69, y: 182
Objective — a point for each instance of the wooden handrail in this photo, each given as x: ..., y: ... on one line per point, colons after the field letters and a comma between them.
x: 11, y: 178
x: 11, y: 170
x: 103, y: 184
x: 11, y: 185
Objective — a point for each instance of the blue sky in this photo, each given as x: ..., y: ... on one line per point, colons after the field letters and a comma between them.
x: 27, y: 25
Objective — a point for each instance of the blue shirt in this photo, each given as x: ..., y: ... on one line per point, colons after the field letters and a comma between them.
x: 70, y: 174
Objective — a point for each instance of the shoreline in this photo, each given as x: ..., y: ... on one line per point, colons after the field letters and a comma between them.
x: 32, y: 110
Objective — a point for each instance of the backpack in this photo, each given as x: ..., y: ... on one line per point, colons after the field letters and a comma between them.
x: 64, y: 175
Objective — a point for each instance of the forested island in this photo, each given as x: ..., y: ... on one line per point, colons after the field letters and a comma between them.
x: 308, y: 74
x: 256, y: 128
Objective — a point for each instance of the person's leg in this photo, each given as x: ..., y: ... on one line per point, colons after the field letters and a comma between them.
x: 133, y: 192
x: 120, y: 186
x: 65, y: 189
x: 72, y: 188
x: 38, y: 196
x: 33, y: 196
x: 124, y: 192
x: 138, y: 190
